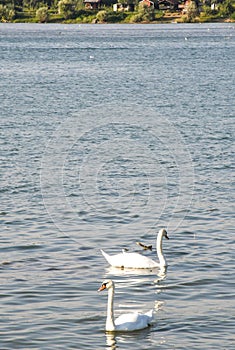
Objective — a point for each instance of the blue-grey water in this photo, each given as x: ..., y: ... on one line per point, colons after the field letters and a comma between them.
x: 109, y: 133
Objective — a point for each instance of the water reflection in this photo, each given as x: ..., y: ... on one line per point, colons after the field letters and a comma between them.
x: 110, y: 340
x: 130, y: 279
x: 115, y: 340
x: 160, y: 272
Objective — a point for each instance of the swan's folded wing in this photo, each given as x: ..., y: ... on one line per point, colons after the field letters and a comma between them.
x: 130, y: 260
x: 138, y: 261
x: 150, y: 316
x: 132, y: 321
x: 114, y: 260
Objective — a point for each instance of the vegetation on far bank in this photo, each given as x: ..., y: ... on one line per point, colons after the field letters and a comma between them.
x: 75, y: 11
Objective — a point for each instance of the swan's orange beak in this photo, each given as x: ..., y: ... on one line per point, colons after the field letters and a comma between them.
x: 102, y: 287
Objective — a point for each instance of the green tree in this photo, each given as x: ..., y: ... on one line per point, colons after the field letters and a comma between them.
x: 30, y: 4
x: 226, y: 8
x: 145, y: 14
x: 102, y: 16
x: 192, y: 12
x: 7, y: 13
x: 126, y: 2
x: 42, y: 14
x: 109, y: 2
x: 66, y: 8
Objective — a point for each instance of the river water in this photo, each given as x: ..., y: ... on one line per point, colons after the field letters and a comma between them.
x: 109, y: 133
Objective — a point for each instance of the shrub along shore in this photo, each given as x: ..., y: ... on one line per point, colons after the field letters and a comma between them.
x: 74, y: 11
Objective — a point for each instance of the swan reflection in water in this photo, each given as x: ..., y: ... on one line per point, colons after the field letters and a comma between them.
x: 114, y: 340
x: 159, y: 272
x: 110, y: 341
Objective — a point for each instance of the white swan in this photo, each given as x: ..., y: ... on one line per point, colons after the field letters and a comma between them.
x: 126, y: 322
x: 136, y: 260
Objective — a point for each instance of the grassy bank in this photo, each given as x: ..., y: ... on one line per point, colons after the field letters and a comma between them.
x: 190, y: 13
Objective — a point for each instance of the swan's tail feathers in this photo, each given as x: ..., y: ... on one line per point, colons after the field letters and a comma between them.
x: 150, y: 313
x: 106, y: 256
x: 150, y: 316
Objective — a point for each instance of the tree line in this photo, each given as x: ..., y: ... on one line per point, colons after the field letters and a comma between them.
x: 74, y: 11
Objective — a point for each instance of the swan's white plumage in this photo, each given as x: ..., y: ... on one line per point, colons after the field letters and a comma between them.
x: 126, y: 322
x: 136, y: 260
x: 130, y: 260
x: 133, y: 321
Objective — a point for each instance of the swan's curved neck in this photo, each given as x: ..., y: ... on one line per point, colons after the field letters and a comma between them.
x: 162, y: 260
x: 110, y: 316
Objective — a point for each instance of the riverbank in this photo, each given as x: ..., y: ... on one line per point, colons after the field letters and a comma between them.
x: 107, y: 15
x: 166, y: 18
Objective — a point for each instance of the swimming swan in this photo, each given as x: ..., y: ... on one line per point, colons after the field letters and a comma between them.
x: 136, y: 260
x: 126, y: 322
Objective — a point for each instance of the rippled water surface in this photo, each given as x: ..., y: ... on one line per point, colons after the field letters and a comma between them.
x: 109, y: 133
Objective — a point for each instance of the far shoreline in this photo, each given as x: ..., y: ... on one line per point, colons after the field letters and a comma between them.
x: 112, y: 17
x: 165, y: 20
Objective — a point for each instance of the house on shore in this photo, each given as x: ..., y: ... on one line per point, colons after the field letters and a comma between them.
x: 92, y: 4
x: 130, y: 6
x: 124, y: 7
x: 147, y: 3
x: 168, y: 5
